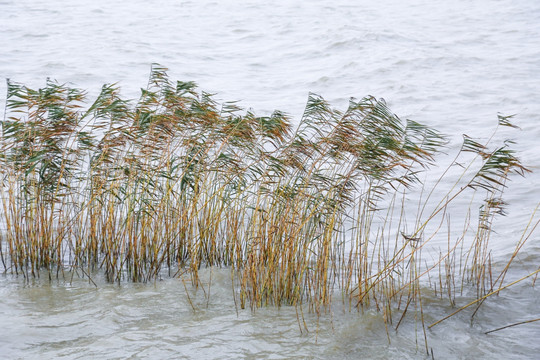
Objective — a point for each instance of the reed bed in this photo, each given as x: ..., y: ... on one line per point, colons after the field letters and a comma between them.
x: 177, y: 181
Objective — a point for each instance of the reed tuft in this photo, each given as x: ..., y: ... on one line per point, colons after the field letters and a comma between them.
x: 177, y: 181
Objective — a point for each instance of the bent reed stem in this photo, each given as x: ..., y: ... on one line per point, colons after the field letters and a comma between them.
x: 178, y: 182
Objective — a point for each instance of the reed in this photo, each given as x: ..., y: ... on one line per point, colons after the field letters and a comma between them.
x: 177, y: 181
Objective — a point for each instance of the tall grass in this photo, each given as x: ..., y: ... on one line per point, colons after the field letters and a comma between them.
x: 177, y: 181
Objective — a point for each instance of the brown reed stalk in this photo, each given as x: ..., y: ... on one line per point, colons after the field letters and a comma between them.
x: 178, y: 181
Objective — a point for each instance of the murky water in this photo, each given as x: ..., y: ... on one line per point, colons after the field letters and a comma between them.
x: 163, y: 320
x: 450, y: 64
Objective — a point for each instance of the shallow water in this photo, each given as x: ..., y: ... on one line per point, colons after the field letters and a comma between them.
x: 78, y: 320
x: 452, y: 65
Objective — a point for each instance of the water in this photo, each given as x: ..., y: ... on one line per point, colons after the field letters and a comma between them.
x: 76, y: 320
x: 450, y: 64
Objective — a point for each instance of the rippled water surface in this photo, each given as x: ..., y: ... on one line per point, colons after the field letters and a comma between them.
x: 450, y: 64
x: 77, y: 320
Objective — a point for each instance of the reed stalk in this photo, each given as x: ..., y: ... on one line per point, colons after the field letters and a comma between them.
x: 177, y: 181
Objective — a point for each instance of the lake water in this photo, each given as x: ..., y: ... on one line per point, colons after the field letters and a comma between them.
x: 452, y: 65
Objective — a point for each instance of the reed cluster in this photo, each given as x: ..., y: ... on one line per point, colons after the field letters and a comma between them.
x: 177, y: 181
